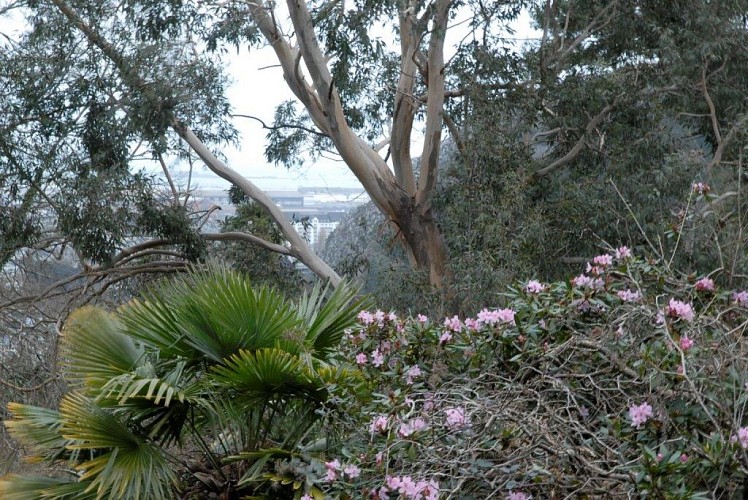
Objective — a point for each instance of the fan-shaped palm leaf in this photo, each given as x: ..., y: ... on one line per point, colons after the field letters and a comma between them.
x: 94, y: 349
x: 39, y: 429
x: 327, y: 317
x: 17, y: 487
x: 265, y: 374
x: 124, y: 465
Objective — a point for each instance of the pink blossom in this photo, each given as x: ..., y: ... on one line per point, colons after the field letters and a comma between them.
x: 456, y: 418
x: 408, y: 428
x: 351, y: 471
x: 445, y: 337
x: 334, y: 465
x: 306, y: 496
x: 381, y: 494
x: 331, y: 475
x: 379, y: 424
x: 361, y: 358
x: 453, y: 323
x: 534, y: 287
x: 678, y: 309
x: 393, y: 482
x: 700, y: 188
x: 422, y: 319
x: 681, y: 369
x: 499, y: 315
x: 685, y: 342
x: 366, y: 317
x: 518, y: 495
x: 392, y: 317
x: 683, y: 458
x: 377, y: 358
x: 379, y: 317
x: 582, y: 281
x: 629, y: 296
x: 741, y: 438
x: 604, y: 260
x: 623, y: 253
x: 659, y: 457
x: 594, y: 270
x: 740, y: 298
x: 640, y: 414
x: 379, y: 458
x: 412, y: 372
x: 705, y: 285
x: 472, y: 324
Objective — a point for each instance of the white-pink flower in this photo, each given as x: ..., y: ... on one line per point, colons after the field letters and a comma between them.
x: 582, y: 281
x: 518, y: 495
x: 456, y: 418
x: 366, y: 318
x: 487, y: 317
x: 534, y: 287
x: 701, y: 187
x: 685, y: 342
x: 623, y: 253
x: 445, y: 337
x: 603, y: 260
x: 678, y: 309
x: 411, y: 373
x: 379, y: 424
x: 629, y: 296
x: 361, y: 358
x: 377, y: 358
x: 741, y: 437
x: 422, y: 319
x: 740, y: 298
x: 351, y: 471
x: 453, y: 323
x: 640, y: 414
x: 705, y: 285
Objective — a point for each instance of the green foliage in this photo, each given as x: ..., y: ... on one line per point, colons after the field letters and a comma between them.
x: 537, y: 398
x: 205, y: 359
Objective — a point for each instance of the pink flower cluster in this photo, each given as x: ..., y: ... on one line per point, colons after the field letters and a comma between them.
x: 740, y: 298
x: 534, y: 287
x: 379, y: 424
x: 623, y: 253
x: 422, y: 319
x: 379, y: 317
x: 705, y: 285
x: 685, y: 342
x: 640, y: 414
x: 411, y: 373
x: 584, y: 281
x: 334, y: 469
x: 487, y: 317
x: 408, y: 428
x: 700, y: 188
x: 456, y: 418
x: 453, y: 323
x: 408, y: 488
x: 518, y: 495
x: 678, y: 309
x: 629, y: 296
x: 741, y: 437
x: 603, y: 260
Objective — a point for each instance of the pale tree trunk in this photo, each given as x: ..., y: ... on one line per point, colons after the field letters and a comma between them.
x: 398, y: 196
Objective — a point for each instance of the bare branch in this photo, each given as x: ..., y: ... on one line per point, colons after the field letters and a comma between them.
x: 568, y: 157
x: 281, y: 127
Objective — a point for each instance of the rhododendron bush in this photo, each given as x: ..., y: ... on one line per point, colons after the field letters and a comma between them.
x: 625, y: 380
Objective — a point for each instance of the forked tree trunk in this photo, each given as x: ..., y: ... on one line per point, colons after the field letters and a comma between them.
x: 423, y: 241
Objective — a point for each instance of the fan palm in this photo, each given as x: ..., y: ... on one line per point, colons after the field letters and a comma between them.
x: 204, y: 363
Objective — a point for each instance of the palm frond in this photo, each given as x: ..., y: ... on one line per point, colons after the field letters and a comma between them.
x: 17, y: 487
x: 327, y: 316
x: 267, y: 374
x: 124, y: 464
x: 39, y: 429
x: 94, y: 349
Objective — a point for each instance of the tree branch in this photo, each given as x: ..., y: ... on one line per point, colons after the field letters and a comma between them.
x: 281, y: 127
x: 568, y: 157
x: 434, y: 103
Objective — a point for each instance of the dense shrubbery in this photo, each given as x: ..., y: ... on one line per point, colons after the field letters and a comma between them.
x: 628, y: 379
